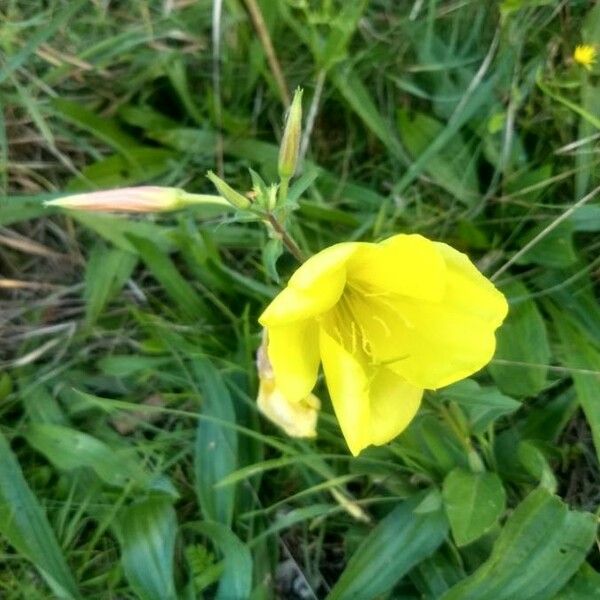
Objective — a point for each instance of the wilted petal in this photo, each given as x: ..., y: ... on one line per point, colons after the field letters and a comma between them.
x: 297, y: 418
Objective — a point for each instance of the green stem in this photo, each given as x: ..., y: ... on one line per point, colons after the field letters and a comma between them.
x: 287, y: 240
x: 283, y: 190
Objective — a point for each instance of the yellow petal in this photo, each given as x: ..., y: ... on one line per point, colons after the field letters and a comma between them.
x: 410, y: 265
x: 440, y: 343
x: 348, y: 388
x: 293, y: 351
x: 313, y: 289
x: 297, y: 419
x: 471, y: 291
x: 394, y: 403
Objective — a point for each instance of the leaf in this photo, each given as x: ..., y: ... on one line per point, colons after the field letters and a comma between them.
x: 555, y: 250
x: 521, y: 339
x: 141, y: 165
x: 25, y: 526
x: 146, y: 532
x: 584, y: 585
x: 102, y: 128
x: 539, y: 549
x: 271, y: 252
x: 534, y: 461
x: 482, y: 404
x: 115, y: 230
x: 236, y: 581
x: 215, y: 451
x: 453, y: 168
x: 357, y: 95
x: 190, y: 304
x: 398, y: 543
x: 106, y: 273
x: 582, y: 356
x: 69, y: 449
x: 473, y: 502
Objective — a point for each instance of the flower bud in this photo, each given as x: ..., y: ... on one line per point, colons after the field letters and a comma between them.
x: 234, y: 198
x: 141, y: 199
x: 290, y: 143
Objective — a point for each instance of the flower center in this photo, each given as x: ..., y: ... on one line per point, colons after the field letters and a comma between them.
x: 365, y: 323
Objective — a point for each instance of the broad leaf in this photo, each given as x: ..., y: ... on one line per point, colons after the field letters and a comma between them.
x: 473, y: 502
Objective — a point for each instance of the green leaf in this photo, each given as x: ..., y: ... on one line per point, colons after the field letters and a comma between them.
x: 357, y: 95
x: 521, y: 339
x: 579, y: 354
x: 146, y: 532
x: 473, y: 502
x: 141, y: 165
x: 482, y: 404
x: 106, y: 273
x: 555, y: 250
x: 215, y: 452
x: 102, y: 128
x: 271, y: 252
x: 116, y: 229
x: 190, y: 304
x: 25, y: 526
x: 398, y: 543
x: 69, y: 449
x: 540, y: 548
x: 453, y: 168
x: 584, y: 585
x: 236, y: 581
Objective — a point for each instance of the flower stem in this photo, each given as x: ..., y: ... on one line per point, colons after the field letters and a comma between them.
x: 287, y: 240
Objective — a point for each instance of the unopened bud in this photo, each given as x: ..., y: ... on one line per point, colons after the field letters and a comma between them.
x: 290, y: 143
x: 140, y: 199
x: 233, y: 197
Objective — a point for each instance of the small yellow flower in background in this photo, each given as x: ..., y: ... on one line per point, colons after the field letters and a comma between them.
x: 585, y: 55
x: 297, y: 418
x: 140, y: 199
x: 387, y: 321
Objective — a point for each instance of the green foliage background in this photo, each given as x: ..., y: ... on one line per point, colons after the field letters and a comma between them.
x: 133, y: 462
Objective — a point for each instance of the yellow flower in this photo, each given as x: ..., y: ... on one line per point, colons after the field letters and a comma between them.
x: 585, y: 55
x: 387, y: 321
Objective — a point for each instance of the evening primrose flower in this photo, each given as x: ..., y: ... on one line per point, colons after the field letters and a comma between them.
x: 387, y: 321
x: 585, y: 55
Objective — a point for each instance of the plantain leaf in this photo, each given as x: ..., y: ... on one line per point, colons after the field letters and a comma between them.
x: 215, y: 453
x: 540, y: 548
x: 236, y: 581
x: 146, y: 532
x: 398, y: 543
x: 25, y: 526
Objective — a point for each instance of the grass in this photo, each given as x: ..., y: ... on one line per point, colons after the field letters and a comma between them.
x: 135, y: 463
